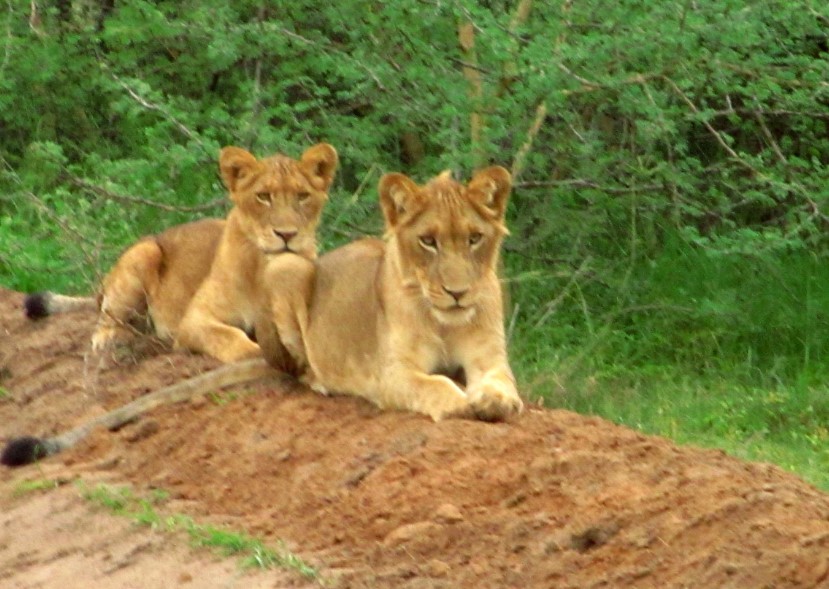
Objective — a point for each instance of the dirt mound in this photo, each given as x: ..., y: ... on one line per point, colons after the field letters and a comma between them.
x: 552, y: 499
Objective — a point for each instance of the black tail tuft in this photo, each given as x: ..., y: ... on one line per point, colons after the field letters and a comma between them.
x: 36, y: 305
x: 22, y: 451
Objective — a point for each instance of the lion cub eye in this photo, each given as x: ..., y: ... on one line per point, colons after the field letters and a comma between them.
x: 264, y: 197
x: 429, y: 242
x: 303, y: 196
x: 475, y: 238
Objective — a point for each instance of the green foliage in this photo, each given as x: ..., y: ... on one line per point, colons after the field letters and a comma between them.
x: 670, y: 157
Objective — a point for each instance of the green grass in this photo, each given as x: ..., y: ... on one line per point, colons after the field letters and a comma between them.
x: 144, y: 511
x: 786, y: 425
x: 36, y: 486
x: 715, y: 350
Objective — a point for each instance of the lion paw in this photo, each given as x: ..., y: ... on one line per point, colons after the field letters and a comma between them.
x: 103, y: 338
x: 493, y: 400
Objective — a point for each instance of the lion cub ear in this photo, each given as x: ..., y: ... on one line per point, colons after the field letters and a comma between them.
x: 491, y: 187
x: 319, y: 163
x: 235, y: 163
x: 397, y: 194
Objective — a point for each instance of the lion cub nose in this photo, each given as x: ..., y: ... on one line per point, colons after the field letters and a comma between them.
x: 285, y: 235
x: 456, y: 294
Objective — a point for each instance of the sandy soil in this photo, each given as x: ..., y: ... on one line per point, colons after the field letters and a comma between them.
x: 380, y: 500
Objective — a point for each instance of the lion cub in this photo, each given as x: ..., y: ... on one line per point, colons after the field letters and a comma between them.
x: 198, y: 282
x: 411, y: 322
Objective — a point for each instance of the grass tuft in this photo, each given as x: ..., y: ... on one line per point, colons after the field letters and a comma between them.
x: 252, y: 552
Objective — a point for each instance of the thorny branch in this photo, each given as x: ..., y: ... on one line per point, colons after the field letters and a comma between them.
x: 521, y: 155
x: 80, y: 238
x: 102, y: 192
x: 584, y: 183
x: 166, y: 114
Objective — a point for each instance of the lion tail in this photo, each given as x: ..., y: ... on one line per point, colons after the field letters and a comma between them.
x: 28, y: 449
x: 42, y: 304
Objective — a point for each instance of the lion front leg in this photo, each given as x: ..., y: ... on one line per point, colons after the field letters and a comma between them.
x: 493, y: 396
x: 286, y: 282
x: 490, y: 383
x: 202, y: 331
x: 125, y: 292
x: 434, y: 395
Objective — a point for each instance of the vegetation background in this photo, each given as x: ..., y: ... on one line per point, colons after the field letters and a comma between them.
x: 667, y: 262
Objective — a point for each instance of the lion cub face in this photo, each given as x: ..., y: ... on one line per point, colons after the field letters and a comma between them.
x: 447, y: 237
x: 280, y: 198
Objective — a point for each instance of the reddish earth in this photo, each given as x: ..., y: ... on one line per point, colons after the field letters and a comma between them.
x: 380, y: 500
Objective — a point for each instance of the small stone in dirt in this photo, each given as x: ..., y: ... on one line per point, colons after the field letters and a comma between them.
x: 437, y: 568
x: 409, y: 532
x: 592, y: 537
x: 185, y: 578
x: 283, y: 455
x: 448, y: 513
x: 515, y: 500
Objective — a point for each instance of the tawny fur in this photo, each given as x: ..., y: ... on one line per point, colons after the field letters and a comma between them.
x: 394, y: 321
x: 278, y: 202
x: 198, y: 282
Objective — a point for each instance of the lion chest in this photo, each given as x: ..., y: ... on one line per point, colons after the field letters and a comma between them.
x: 426, y: 350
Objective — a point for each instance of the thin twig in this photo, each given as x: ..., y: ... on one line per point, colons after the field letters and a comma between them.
x: 550, y: 307
x: 583, y: 183
x: 108, y: 194
x: 717, y: 135
x: 769, y: 112
x: 521, y: 156
x: 42, y: 207
x: 513, y: 320
x: 164, y: 112
x: 327, y: 49
x: 470, y: 65
x: 770, y: 138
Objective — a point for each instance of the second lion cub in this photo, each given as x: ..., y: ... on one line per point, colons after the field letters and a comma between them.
x: 414, y: 321
x: 198, y: 282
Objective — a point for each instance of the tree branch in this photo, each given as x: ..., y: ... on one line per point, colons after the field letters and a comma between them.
x: 166, y: 114
x: 584, y: 183
x: 466, y: 37
x: 102, y: 192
